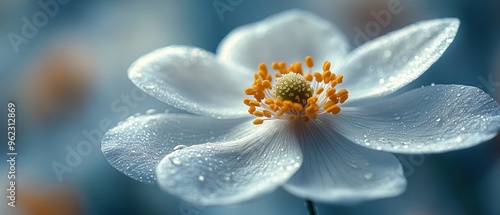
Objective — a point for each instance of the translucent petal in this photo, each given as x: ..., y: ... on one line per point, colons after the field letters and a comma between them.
x: 233, y: 171
x: 193, y: 80
x: 335, y: 170
x: 289, y: 36
x: 390, y: 62
x: 137, y: 145
x: 426, y: 120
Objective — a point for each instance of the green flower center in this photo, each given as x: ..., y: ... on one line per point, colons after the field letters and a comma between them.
x: 293, y: 87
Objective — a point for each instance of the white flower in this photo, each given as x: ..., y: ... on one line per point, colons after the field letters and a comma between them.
x: 221, y: 157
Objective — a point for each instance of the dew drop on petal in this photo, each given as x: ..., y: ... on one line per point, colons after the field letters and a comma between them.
x: 227, y: 177
x: 176, y: 161
x: 387, y: 53
x: 201, y: 178
x: 368, y: 175
x: 150, y: 111
x: 179, y: 147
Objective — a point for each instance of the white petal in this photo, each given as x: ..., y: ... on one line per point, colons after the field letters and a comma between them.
x: 390, y: 62
x: 233, y: 171
x: 335, y: 170
x: 193, y: 80
x: 426, y: 120
x: 289, y: 36
x: 137, y: 145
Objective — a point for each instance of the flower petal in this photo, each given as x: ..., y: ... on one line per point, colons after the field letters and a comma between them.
x: 337, y: 170
x: 137, y: 145
x: 233, y: 171
x: 390, y: 62
x: 289, y: 36
x: 426, y: 120
x: 193, y: 80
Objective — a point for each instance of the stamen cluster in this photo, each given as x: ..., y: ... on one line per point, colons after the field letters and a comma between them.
x: 294, y: 95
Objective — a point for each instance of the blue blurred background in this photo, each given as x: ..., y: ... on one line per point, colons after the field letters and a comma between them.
x: 68, y: 80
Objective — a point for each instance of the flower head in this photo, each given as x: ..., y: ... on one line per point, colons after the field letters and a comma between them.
x: 323, y: 133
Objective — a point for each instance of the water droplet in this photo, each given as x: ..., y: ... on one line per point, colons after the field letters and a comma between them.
x: 438, y: 119
x: 383, y: 140
x: 381, y: 81
x: 387, y: 53
x: 208, y: 146
x: 179, y: 147
x: 176, y: 161
x: 367, y: 142
x: 397, y: 118
x: 368, y: 175
x: 462, y: 129
x: 150, y: 111
x: 201, y: 178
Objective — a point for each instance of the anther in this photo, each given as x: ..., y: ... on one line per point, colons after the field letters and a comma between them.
x: 258, y: 121
x: 309, y: 61
x: 326, y: 66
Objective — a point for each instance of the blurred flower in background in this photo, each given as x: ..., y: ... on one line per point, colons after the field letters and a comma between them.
x: 104, y: 37
x: 57, y: 86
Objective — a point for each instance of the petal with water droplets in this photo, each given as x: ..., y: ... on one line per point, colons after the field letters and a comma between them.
x: 289, y: 36
x: 137, y: 145
x: 232, y: 171
x: 192, y: 79
x: 336, y: 170
x: 426, y: 120
x: 390, y: 62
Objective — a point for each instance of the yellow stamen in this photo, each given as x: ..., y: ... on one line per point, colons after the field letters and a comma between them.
x: 292, y: 95
x: 326, y: 66
x: 319, y: 90
x: 267, y: 113
x: 258, y: 121
x: 258, y: 113
x: 251, y: 110
x: 308, y: 77
x: 297, y: 106
x: 309, y: 61
x: 263, y: 67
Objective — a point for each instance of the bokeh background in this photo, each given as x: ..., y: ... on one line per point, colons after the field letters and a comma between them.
x: 69, y: 83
